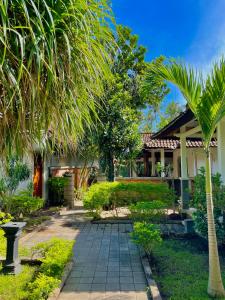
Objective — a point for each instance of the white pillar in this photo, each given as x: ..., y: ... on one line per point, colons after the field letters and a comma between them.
x: 183, y: 153
x: 162, y: 159
x: 221, y: 148
x: 45, y: 178
x: 153, y: 163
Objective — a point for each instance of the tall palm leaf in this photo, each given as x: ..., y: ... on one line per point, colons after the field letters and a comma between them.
x: 206, y: 98
x: 53, y: 56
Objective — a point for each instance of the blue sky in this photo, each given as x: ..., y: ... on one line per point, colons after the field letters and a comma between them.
x: 192, y: 30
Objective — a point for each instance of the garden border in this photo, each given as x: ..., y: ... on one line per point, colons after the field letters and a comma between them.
x: 153, y: 287
x: 55, y: 293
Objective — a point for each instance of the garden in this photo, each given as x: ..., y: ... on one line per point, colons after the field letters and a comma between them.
x: 175, y: 257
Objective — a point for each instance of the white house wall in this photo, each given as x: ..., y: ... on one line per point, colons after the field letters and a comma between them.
x: 195, y: 160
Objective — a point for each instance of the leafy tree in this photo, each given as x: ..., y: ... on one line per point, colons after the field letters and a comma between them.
x: 15, y: 171
x: 206, y: 98
x: 172, y: 110
x: 54, y: 55
x: 120, y: 118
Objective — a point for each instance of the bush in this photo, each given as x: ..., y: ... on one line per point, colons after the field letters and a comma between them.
x: 146, y: 235
x: 22, y: 204
x: 199, y: 202
x: 56, y: 190
x: 148, y: 211
x: 118, y: 194
x: 5, y: 218
x: 56, y: 253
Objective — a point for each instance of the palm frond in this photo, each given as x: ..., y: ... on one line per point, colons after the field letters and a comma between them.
x: 53, y: 57
x: 205, y: 98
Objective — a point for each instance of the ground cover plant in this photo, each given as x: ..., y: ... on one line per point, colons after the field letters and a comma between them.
x: 119, y: 194
x: 146, y: 235
x: 154, y: 211
x: 37, y: 282
x: 180, y: 268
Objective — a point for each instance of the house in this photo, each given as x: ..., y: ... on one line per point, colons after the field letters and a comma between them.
x: 175, y: 153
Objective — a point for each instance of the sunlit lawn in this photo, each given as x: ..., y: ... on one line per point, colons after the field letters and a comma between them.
x: 181, y: 269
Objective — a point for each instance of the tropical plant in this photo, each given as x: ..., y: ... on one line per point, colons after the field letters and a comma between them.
x: 206, y: 99
x: 21, y: 204
x: 54, y: 55
x: 199, y: 202
x: 154, y: 211
x: 14, y: 172
x: 146, y: 235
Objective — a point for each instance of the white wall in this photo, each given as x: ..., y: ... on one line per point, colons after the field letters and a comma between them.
x: 195, y: 160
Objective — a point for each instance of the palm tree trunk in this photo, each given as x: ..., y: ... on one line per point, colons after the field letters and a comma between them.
x: 215, y: 284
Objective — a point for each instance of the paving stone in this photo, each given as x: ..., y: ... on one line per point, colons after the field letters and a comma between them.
x: 113, y: 274
x: 100, y: 274
x: 99, y: 280
x: 126, y: 280
x: 140, y: 287
x: 127, y: 287
x: 86, y: 280
x: 126, y: 274
x: 84, y: 287
x: 113, y: 279
x: 98, y: 287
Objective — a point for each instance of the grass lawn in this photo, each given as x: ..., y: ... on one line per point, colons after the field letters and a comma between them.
x: 180, y: 268
x: 14, y: 287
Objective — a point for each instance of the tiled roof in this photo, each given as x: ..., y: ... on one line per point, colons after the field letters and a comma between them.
x: 172, y: 144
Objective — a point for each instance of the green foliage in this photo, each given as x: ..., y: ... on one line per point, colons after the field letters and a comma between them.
x: 118, y: 134
x: 42, y: 287
x: 15, y: 171
x: 56, y: 189
x: 146, y: 235
x: 172, y: 110
x: 148, y: 211
x: 53, y: 59
x: 15, y: 287
x: 56, y: 254
x: 117, y: 194
x: 21, y: 204
x: 180, y: 268
x: 5, y: 217
x: 199, y: 202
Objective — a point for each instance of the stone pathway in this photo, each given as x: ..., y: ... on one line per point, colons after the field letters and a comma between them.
x: 107, y: 265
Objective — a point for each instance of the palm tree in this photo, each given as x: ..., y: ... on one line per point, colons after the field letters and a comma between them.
x: 53, y: 57
x: 206, y: 99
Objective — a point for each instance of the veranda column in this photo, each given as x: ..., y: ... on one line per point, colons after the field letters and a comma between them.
x: 153, y: 163
x: 184, y: 174
x: 162, y: 160
x: 221, y: 148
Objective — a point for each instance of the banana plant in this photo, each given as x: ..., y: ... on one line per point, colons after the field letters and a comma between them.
x: 206, y: 99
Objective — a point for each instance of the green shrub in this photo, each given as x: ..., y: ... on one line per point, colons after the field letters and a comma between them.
x: 5, y: 217
x: 148, y: 211
x: 42, y: 287
x: 118, y: 194
x: 56, y: 253
x: 199, y: 202
x: 56, y: 189
x: 22, y: 204
x: 146, y: 235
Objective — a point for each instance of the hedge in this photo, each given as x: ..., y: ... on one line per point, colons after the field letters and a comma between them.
x: 118, y: 194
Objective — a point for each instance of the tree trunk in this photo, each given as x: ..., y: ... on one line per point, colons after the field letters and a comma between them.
x: 215, y: 284
x: 111, y: 171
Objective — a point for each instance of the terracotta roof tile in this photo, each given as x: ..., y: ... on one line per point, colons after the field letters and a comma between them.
x: 172, y: 144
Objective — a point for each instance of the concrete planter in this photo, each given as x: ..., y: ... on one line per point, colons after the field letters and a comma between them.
x: 152, y: 285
